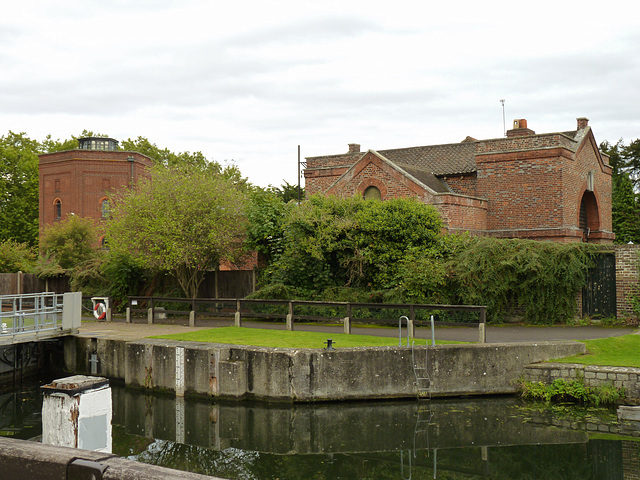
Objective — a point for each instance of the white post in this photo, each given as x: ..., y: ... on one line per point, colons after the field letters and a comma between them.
x: 76, y: 412
x: 71, y: 310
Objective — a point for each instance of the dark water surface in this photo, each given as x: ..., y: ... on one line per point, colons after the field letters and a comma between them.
x: 494, y: 438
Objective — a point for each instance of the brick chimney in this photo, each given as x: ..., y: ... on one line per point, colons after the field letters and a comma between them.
x: 354, y: 148
x: 583, y: 122
x: 520, y: 129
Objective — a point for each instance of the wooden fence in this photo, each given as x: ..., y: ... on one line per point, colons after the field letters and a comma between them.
x: 226, y: 283
x: 23, y: 283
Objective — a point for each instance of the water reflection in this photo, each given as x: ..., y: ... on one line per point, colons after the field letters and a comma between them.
x: 495, y: 438
x: 20, y: 413
x: 454, y: 439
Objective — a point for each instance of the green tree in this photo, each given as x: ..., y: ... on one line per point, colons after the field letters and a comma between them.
x: 50, y: 146
x: 389, y: 232
x: 631, y: 161
x: 192, y: 160
x: 265, y: 215
x: 16, y: 257
x: 185, y: 222
x: 625, y: 206
x: 287, y: 192
x: 350, y: 242
x: 163, y: 156
x: 70, y: 242
x: 19, y: 188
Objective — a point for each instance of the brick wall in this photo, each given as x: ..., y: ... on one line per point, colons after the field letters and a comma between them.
x: 81, y: 179
x: 627, y: 280
x: 462, y: 213
x: 524, y: 191
x: 462, y: 184
x: 532, y: 186
x: 630, y: 460
x: 321, y: 172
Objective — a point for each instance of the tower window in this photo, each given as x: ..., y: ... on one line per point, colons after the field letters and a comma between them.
x: 105, y: 210
x: 57, y: 209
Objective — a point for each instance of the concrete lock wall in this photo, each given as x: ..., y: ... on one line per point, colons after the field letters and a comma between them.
x: 279, y: 374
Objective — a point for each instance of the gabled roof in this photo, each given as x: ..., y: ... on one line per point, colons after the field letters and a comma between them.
x: 426, y: 178
x: 446, y: 159
x: 422, y: 178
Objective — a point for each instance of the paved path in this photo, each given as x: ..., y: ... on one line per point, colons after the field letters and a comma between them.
x: 495, y: 334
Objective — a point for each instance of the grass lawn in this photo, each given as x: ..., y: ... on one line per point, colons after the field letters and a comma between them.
x: 284, y: 339
x: 623, y: 351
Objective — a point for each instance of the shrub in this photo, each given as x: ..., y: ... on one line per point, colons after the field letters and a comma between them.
x: 15, y: 257
x: 572, y: 391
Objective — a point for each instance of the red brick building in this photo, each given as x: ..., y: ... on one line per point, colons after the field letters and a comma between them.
x: 552, y: 186
x: 83, y: 181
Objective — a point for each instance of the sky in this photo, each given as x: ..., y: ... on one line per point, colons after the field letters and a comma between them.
x: 246, y: 82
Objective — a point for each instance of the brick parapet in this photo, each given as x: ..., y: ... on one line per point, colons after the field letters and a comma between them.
x: 100, y: 155
x: 462, y: 213
x: 523, y: 143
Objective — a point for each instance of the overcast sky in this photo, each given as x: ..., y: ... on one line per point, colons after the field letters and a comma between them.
x: 249, y: 81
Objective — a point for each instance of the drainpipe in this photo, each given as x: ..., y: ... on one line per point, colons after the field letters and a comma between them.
x: 131, y: 161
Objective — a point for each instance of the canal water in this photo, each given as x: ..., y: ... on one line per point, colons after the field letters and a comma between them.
x: 494, y: 438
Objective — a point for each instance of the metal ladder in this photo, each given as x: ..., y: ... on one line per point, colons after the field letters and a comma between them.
x: 423, y: 381
x: 421, y: 372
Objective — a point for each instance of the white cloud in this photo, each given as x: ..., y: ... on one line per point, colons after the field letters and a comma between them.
x: 251, y: 80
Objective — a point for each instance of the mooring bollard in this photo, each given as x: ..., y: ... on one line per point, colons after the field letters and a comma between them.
x: 76, y: 412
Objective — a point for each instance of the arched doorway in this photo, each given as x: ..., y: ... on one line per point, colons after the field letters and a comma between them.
x: 589, y: 218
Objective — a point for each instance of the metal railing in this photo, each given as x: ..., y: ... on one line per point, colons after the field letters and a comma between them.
x: 346, y: 313
x: 30, y: 313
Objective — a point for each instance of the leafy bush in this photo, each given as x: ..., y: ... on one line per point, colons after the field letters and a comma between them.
x: 394, y: 252
x: 70, y: 242
x: 350, y: 242
x: 16, y: 257
x: 573, y: 391
x: 541, y: 278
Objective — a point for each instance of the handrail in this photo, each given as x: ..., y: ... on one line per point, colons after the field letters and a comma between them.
x: 239, y: 308
x: 400, y: 330
x: 30, y: 312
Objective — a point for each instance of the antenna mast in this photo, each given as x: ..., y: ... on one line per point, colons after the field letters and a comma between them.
x: 504, y: 124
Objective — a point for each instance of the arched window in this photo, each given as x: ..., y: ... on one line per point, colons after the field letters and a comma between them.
x: 105, y: 210
x: 57, y: 209
x: 372, y: 193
